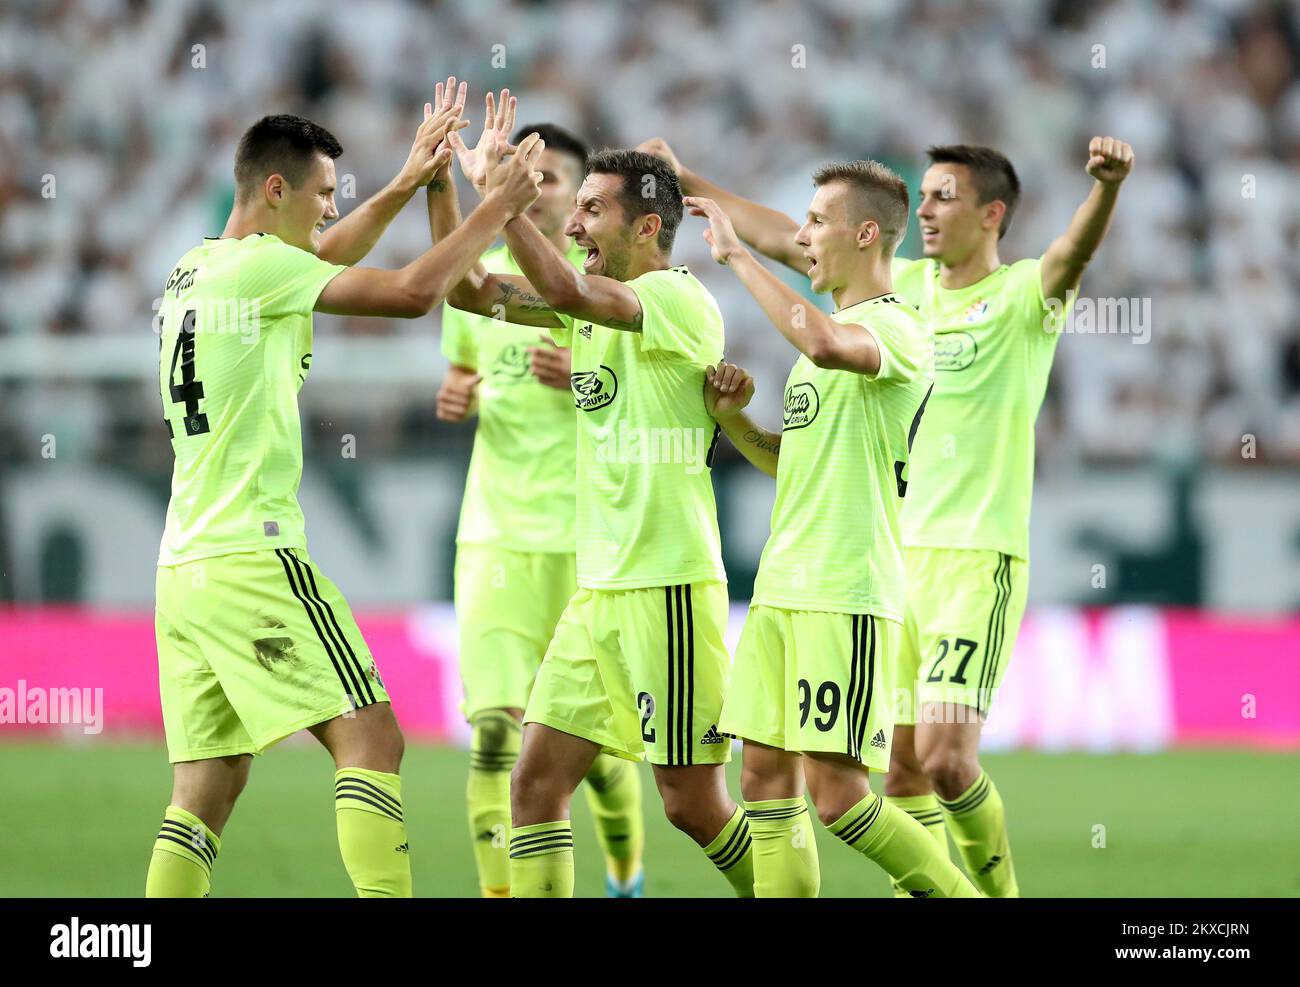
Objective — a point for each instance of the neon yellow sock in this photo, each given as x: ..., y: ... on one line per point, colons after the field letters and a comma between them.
x: 372, y: 835
x: 979, y: 828
x: 900, y: 845
x: 925, y: 810
x: 541, y: 860
x: 493, y: 749
x: 732, y: 852
x: 614, y: 796
x: 183, y: 855
x: 785, y: 849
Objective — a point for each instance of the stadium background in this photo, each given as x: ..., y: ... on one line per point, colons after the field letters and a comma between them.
x: 1147, y: 741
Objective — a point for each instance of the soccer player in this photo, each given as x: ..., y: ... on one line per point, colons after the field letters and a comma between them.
x: 254, y: 642
x: 808, y: 694
x: 966, y: 516
x: 637, y: 666
x: 515, y: 562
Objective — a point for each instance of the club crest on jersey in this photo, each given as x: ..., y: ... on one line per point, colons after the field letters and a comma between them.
x: 975, y: 311
x: 801, y: 406
x: 593, y: 389
x: 511, y: 363
x: 954, y: 350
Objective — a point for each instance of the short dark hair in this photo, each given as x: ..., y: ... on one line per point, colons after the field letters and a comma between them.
x: 557, y: 139
x: 994, y: 177
x: 881, y: 195
x: 649, y: 186
x: 282, y: 144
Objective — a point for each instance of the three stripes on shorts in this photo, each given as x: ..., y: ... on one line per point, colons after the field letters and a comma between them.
x: 302, y: 582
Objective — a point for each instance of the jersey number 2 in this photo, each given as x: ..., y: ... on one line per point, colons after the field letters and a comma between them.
x: 190, y: 389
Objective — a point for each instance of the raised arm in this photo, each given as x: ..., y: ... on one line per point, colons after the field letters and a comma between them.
x: 590, y: 297
x: 1109, y: 162
x: 768, y: 231
x: 727, y: 390
x: 827, y: 343
x: 416, y: 288
x: 497, y: 296
x: 355, y: 235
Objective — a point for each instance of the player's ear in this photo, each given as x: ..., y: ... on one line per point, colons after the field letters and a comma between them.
x: 274, y: 190
x: 868, y: 233
x: 649, y: 226
x: 993, y: 214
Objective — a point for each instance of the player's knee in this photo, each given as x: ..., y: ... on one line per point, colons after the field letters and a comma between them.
x: 494, y: 732
x: 690, y: 815
x: 951, y: 770
x: 906, y: 777
x: 535, y: 794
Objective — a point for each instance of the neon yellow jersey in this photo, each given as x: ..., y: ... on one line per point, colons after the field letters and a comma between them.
x: 973, y: 461
x: 646, y: 515
x: 236, y: 341
x: 836, y: 543
x: 519, y: 492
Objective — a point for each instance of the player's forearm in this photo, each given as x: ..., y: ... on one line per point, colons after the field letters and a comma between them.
x: 443, y: 207
x: 756, y: 444
x: 432, y: 276
x: 1070, y: 254
x: 547, y: 270
x: 811, y: 331
x: 355, y: 235
x: 768, y: 231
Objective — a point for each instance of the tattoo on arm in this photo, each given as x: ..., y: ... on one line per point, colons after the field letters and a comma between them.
x: 624, y: 325
x: 767, y: 441
x: 513, y: 295
x: 438, y: 185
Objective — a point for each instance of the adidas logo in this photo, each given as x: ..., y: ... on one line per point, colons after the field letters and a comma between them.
x: 879, y: 740
x: 404, y: 848
x: 713, y: 737
x: 993, y: 862
x: 585, y: 331
x: 922, y: 894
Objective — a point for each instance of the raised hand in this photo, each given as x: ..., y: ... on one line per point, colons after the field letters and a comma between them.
x: 1109, y: 160
x: 498, y: 122
x: 430, y: 153
x: 727, y: 390
x: 721, y: 235
x: 660, y: 149
x: 551, y: 364
x: 516, y: 178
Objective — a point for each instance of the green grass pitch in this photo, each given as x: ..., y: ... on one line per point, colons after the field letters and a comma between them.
x: 79, y: 821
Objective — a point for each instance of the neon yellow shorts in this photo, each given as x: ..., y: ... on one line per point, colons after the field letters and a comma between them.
x: 507, y: 606
x: 641, y: 672
x: 253, y: 647
x: 808, y: 681
x: 963, y: 613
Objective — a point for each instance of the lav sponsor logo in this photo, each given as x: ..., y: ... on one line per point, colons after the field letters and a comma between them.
x: 801, y: 406
x: 511, y: 364
x: 593, y: 389
x: 954, y: 350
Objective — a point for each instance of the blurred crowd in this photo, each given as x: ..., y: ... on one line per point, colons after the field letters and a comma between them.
x: 119, y: 118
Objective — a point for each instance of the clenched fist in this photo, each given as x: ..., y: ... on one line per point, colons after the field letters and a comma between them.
x: 727, y: 390
x: 457, y: 394
x: 1109, y: 160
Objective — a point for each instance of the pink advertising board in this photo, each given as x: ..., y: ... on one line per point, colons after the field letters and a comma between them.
x: 1122, y: 678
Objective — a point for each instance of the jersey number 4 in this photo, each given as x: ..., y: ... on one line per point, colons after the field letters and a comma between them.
x: 190, y: 390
